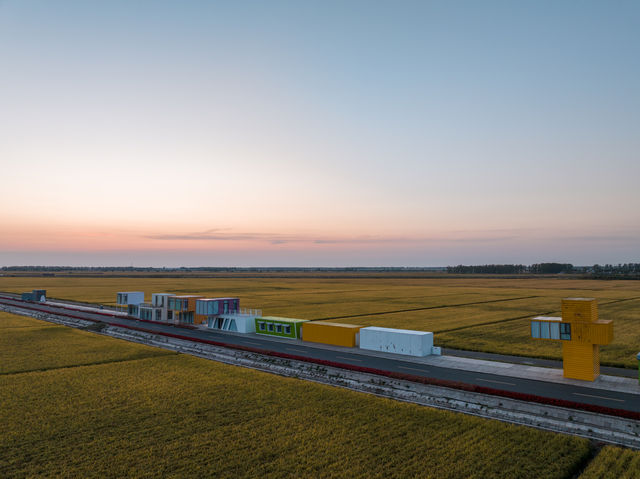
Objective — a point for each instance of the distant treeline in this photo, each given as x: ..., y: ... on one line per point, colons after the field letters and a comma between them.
x: 538, y: 268
x: 211, y: 269
x: 626, y: 270
x: 489, y: 269
x: 607, y: 271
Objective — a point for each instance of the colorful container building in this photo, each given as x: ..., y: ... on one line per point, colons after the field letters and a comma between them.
x: 331, y: 333
x: 215, y: 306
x: 281, y: 327
x: 130, y: 300
x: 184, y: 309
x: 581, y: 333
x: 157, y: 310
x: 397, y: 341
x: 161, y: 302
x: 224, y: 314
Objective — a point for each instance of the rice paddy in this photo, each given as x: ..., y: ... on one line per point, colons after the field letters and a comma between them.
x: 614, y: 463
x: 485, y: 314
x: 171, y: 415
x: 43, y: 346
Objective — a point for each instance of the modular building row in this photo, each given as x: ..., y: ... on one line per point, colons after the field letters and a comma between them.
x: 185, y: 309
x: 397, y: 341
x: 224, y: 314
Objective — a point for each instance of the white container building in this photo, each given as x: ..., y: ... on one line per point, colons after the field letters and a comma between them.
x: 130, y: 297
x: 397, y: 341
x: 160, y: 301
x: 130, y: 300
x: 156, y: 310
x: 236, y: 322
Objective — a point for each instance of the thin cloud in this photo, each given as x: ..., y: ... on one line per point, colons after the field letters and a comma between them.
x: 214, y: 235
x: 201, y: 237
x: 601, y: 238
x: 220, y: 234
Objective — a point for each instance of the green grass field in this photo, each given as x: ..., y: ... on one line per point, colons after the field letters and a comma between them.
x: 483, y: 314
x: 136, y: 414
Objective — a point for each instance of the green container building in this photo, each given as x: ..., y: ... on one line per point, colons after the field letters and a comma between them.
x: 280, y: 327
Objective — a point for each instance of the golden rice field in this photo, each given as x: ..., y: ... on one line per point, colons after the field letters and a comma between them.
x: 139, y: 414
x: 44, y: 346
x: 482, y: 314
x: 614, y: 463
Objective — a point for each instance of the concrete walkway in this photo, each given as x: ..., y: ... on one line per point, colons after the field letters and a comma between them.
x: 523, y: 371
x: 604, y: 382
x: 89, y: 309
x: 529, y: 361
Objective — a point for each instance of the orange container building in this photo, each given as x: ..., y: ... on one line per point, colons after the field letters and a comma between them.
x: 184, y: 309
x: 579, y: 309
x: 331, y: 333
x: 581, y: 360
x: 581, y: 333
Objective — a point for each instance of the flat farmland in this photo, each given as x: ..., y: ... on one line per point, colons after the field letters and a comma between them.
x: 452, y: 317
x: 484, y: 314
x: 614, y: 463
x: 174, y: 415
x: 44, y: 346
x: 11, y: 321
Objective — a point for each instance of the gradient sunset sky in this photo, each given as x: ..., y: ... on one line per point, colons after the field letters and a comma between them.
x: 319, y: 133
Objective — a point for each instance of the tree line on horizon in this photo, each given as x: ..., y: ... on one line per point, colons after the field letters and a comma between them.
x: 626, y: 270
x: 606, y: 271
x: 101, y: 269
x: 538, y: 268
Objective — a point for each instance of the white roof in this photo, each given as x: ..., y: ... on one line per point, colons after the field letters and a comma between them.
x: 237, y: 316
x: 547, y: 318
x: 392, y: 330
x: 217, y: 299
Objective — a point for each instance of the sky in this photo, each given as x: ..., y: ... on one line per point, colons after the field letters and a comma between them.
x: 308, y: 133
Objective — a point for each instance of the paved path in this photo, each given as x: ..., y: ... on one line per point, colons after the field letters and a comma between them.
x: 544, y: 363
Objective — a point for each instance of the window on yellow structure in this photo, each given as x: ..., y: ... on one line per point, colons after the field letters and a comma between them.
x: 565, y: 331
x: 535, y: 329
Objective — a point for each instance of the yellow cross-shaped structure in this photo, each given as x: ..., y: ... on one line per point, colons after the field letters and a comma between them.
x: 581, y: 333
